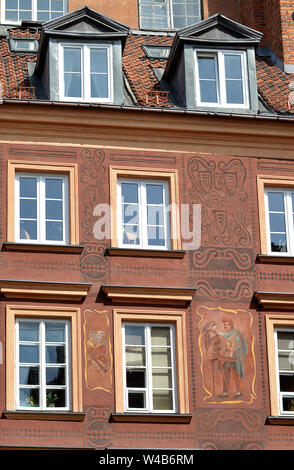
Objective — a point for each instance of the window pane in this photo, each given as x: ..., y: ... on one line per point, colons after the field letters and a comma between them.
x: 72, y: 85
x: 161, y: 378
x: 286, y: 340
x: 28, y: 331
x: 156, y: 236
x: 28, y: 353
x: 233, y: 66
x: 206, y: 67
x: 154, y: 194
x: 129, y: 192
x: 208, y: 91
x: 28, y: 187
x: 161, y: 357
x: 11, y: 16
x: 11, y: 4
x: 55, y: 354
x: 55, y: 398
x: 288, y: 403
x: 287, y: 383
x: 28, y: 230
x: 28, y: 208
x: 131, y: 235
x: 25, y: 4
x: 160, y: 336
x: 134, y: 334
x: 54, y: 210
x: 29, y: 375
x: 286, y: 360
x: 55, y: 375
x: 136, y: 378
x: 278, y: 242
x: 130, y: 214
x: 277, y: 222
x: 162, y: 400
x: 99, y: 60
x: 72, y: 59
x: 276, y: 202
x: 136, y: 399
x: 25, y: 15
x: 54, y: 231
x: 57, y: 5
x: 43, y: 16
x: 53, y: 188
x: 135, y: 356
x: 55, y: 332
x: 29, y: 397
x: 155, y: 215
x: 43, y: 5
x: 234, y: 89
x: 99, y: 86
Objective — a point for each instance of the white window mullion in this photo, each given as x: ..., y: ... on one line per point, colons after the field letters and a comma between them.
x: 149, y: 368
x: 143, y: 215
x: 42, y: 366
x: 222, y: 79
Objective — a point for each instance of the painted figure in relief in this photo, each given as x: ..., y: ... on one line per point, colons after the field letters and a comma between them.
x: 228, y: 364
x: 236, y: 348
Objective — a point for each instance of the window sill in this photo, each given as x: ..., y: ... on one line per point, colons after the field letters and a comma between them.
x: 151, y: 418
x: 145, y: 253
x: 44, y: 415
x: 280, y: 420
x: 41, y: 248
x: 275, y: 259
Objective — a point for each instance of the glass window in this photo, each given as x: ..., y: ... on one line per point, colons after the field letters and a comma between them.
x: 42, y: 376
x: 85, y: 75
x: 221, y: 79
x: 149, y: 368
x: 169, y: 14
x: 143, y: 218
x: 41, y: 208
x: 36, y: 10
x: 285, y: 363
x: 279, y: 219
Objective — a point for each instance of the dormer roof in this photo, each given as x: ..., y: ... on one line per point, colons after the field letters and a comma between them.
x: 81, y: 23
x: 215, y: 32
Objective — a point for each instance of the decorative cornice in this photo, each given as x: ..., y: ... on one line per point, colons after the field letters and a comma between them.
x: 41, y: 290
x: 148, y: 295
x: 281, y: 300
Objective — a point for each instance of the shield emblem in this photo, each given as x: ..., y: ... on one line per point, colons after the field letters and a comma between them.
x: 220, y: 219
x: 230, y: 180
x: 204, y: 181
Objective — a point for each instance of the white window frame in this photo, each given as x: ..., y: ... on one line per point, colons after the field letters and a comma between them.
x: 148, y: 389
x: 219, y: 60
x: 41, y: 211
x: 34, y: 12
x: 85, y: 72
x: 170, y: 15
x: 288, y: 220
x: 281, y: 394
x: 42, y: 366
x: 142, y: 215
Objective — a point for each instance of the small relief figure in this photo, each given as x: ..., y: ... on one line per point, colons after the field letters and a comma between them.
x: 213, y: 346
x: 232, y: 360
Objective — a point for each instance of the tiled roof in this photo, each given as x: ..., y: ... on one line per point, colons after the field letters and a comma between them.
x: 140, y: 72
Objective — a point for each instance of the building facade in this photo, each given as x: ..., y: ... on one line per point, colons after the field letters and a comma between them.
x: 147, y: 237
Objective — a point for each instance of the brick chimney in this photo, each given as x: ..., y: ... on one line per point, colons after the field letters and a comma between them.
x: 274, y: 19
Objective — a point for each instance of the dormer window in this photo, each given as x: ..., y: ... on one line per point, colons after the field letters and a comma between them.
x: 14, y: 11
x: 169, y: 14
x: 221, y: 79
x: 85, y: 72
